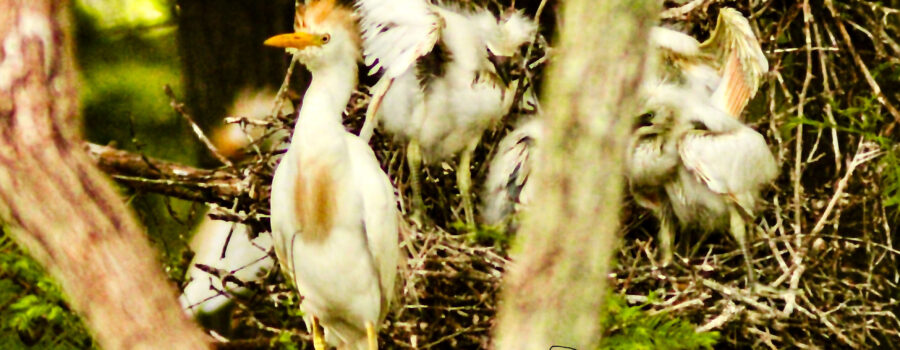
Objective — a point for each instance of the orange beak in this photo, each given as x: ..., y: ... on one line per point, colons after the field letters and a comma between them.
x: 298, y: 40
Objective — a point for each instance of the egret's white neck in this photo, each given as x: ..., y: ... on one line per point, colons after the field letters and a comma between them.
x: 327, y: 97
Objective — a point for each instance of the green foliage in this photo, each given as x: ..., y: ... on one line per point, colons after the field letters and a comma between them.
x: 484, y: 234
x: 33, y: 312
x: 631, y: 327
x: 126, y: 54
x: 890, y: 163
x: 864, y: 117
x: 285, y: 342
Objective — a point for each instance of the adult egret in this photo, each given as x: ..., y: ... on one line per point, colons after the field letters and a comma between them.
x: 439, y: 88
x: 334, y: 213
x: 239, y: 256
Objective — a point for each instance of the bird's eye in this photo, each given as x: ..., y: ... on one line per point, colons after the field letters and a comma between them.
x: 326, y: 38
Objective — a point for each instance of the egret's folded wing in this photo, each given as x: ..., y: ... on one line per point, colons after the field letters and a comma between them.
x: 740, y: 59
x: 734, y: 163
x: 396, y: 33
x: 510, y: 170
x: 380, y: 216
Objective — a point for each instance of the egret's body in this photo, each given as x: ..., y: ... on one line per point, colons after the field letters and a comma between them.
x: 699, y: 165
x: 507, y: 186
x: 226, y: 246
x: 695, y: 161
x: 334, y: 214
x: 244, y: 258
x: 254, y: 105
x: 439, y: 88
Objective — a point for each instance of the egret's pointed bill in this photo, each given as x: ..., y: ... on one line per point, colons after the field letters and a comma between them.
x: 298, y: 40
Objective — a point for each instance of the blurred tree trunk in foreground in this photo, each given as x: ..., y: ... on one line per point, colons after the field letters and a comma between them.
x: 554, y: 292
x: 59, y: 207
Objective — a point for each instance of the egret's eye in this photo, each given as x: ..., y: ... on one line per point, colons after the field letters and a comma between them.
x: 326, y: 38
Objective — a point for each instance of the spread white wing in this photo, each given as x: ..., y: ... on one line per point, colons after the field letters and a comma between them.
x: 396, y: 33
x: 740, y: 58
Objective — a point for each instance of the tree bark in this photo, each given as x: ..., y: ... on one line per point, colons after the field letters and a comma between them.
x: 553, y: 294
x: 59, y: 207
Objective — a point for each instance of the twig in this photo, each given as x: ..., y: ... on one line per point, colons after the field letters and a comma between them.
x: 179, y: 108
x: 731, y: 310
x: 876, y: 89
x: 863, y: 155
x: 167, y: 178
x: 279, y: 97
x: 681, y: 12
x: 798, y: 152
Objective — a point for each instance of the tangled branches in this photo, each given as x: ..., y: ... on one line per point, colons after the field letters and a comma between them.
x: 823, y: 245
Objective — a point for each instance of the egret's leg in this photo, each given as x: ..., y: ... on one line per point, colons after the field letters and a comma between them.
x: 372, y: 335
x: 464, y: 181
x: 666, y: 235
x: 414, y: 160
x: 739, y: 231
x: 699, y: 243
x: 318, y: 339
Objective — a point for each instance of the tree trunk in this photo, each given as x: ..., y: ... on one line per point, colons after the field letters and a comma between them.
x: 554, y: 293
x: 59, y: 207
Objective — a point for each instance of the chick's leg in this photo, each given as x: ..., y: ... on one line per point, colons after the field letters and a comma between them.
x: 666, y: 233
x: 464, y: 181
x: 318, y: 339
x: 739, y: 231
x: 414, y: 160
x: 372, y: 335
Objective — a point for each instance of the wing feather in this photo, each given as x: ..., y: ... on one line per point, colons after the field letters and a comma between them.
x: 740, y: 58
x: 735, y: 164
x: 396, y: 33
x: 507, y: 181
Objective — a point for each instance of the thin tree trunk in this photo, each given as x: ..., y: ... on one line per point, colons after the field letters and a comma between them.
x: 59, y: 207
x: 554, y: 293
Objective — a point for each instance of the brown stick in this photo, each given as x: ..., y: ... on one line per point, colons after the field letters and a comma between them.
x: 876, y: 89
x: 167, y: 178
x: 178, y: 107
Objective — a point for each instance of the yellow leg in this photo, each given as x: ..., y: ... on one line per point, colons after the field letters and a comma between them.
x: 739, y: 231
x: 414, y: 160
x: 665, y: 238
x: 372, y: 335
x: 318, y: 339
x: 464, y: 181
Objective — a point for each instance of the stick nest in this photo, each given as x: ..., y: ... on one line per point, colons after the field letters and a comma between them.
x: 822, y: 246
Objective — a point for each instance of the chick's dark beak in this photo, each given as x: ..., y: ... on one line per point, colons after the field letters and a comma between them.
x: 503, y: 66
